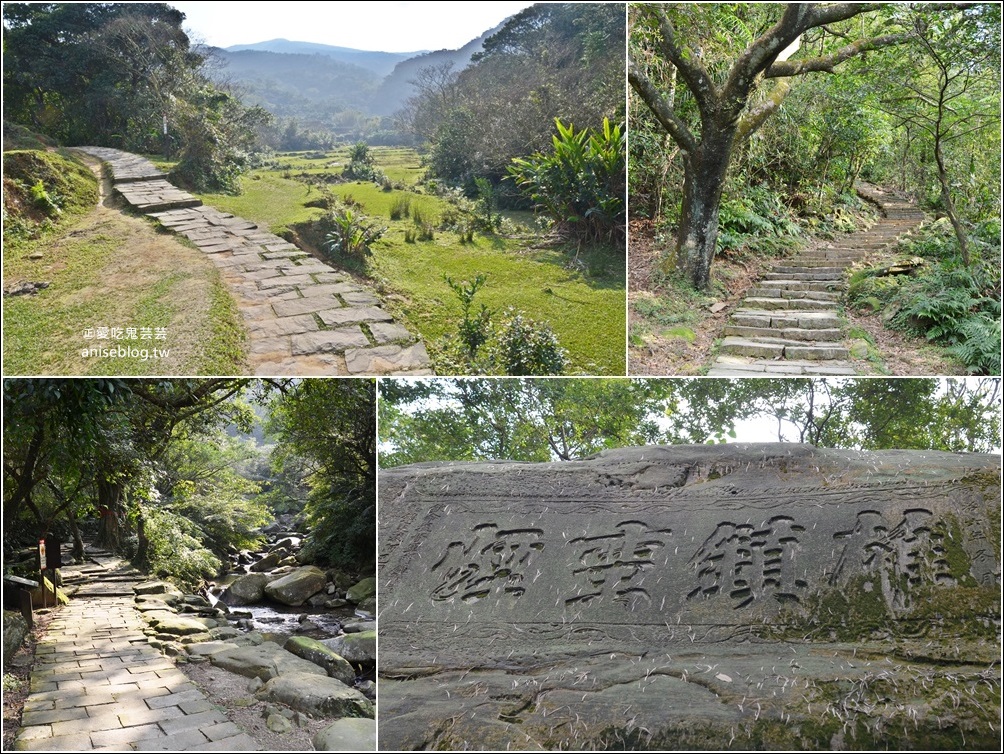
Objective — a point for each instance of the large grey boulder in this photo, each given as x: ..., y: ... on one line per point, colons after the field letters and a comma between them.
x: 269, y: 562
x: 358, y: 647
x: 314, y: 651
x: 347, y: 734
x: 167, y: 622
x: 362, y: 590
x: 690, y: 597
x: 316, y: 695
x: 15, y: 628
x: 297, y: 587
x: 266, y: 660
x: 248, y: 589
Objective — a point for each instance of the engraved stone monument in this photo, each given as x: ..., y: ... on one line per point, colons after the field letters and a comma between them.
x: 776, y: 595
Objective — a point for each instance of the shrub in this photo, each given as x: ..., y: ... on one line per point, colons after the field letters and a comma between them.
x: 580, y: 185
x: 401, y: 207
x: 474, y: 329
x: 513, y: 345
x: 351, y: 234
x: 524, y: 347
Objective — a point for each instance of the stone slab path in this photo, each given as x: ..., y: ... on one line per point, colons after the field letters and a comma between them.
x: 99, y: 686
x: 790, y: 324
x: 304, y: 317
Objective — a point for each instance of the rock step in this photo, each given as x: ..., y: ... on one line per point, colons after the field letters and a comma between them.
x: 785, y: 349
x: 791, y: 334
x: 818, y: 277
x: 779, y: 281
x: 785, y: 318
x: 815, y: 273
x: 790, y: 303
x: 728, y: 366
x: 783, y: 292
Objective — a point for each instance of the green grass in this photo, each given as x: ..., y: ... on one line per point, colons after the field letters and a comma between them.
x: 270, y: 200
x: 582, y: 298
x: 44, y: 333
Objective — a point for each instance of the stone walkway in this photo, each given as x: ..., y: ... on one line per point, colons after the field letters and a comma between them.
x: 99, y: 686
x: 304, y: 317
x: 790, y: 324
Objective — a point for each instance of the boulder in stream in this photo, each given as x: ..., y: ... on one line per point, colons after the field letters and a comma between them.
x: 297, y: 587
x: 266, y: 660
x: 248, y: 589
x: 347, y: 734
x: 313, y: 650
x: 316, y: 695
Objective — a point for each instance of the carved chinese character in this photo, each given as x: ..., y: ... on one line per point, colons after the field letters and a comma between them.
x: 746, y: 562
x: 491, y: 561
x: 616, y: 562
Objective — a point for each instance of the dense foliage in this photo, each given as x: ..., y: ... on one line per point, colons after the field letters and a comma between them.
x: 580, y: 183
x: 912, y: 101
x: 165, y: 471
x: 118, y: 74
x: 328, y: 429
x: 560, y: 60
x: 565, y: 419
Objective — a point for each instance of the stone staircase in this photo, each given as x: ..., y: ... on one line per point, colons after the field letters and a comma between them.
x: 790, y: 323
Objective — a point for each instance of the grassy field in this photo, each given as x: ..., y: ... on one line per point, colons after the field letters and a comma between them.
x: 107, y: 269
x: 580, y: 296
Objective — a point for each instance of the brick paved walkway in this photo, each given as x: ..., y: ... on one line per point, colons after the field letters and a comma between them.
x: 99, y: 686
x: 304, y: 317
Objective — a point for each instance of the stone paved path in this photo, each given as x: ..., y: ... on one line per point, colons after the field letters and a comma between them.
x: 304, y: 317
x: 790, y: 324
x: 99, y: 686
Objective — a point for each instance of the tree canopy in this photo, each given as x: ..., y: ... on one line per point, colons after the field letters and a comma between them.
x: 712, y: 76
x: 118, y: 74
x: 165, y: 471
x: 566, y: 419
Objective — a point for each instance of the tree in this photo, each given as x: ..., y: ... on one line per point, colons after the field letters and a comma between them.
x: 330, y: 426
x: 567, y: 419
x: 552, y: 60
x: 948, y: 88
x: 88, y: 72
x: 112, y: 74
x: 723, y: 81
x: 521, y: 420
x: 74, y: 449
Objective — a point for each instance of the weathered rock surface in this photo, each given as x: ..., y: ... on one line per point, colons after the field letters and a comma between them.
x: 266, y: 661
x: 297, y: 587
x: 691, y: 596
x: 316, y: 695
x: 167, y: 622
x: 15, y: 628
x: 347, y: 734
x: 362, y: 590
x: 358, y: 647
x: 248, y: 589
x: 314, y: 651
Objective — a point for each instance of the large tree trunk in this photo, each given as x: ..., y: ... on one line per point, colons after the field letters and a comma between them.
x: 142, y: 542
x: 111, y: 510
x: 703, y: 182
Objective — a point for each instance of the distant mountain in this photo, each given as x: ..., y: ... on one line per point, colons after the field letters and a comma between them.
x: 309, y: 87
x: 380, y: 63
x: 315, y: 82
x: 397, y: 87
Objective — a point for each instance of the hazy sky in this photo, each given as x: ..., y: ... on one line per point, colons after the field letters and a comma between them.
x: 387, y: 27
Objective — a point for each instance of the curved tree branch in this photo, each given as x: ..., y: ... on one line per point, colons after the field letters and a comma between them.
x: 661, y: 108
